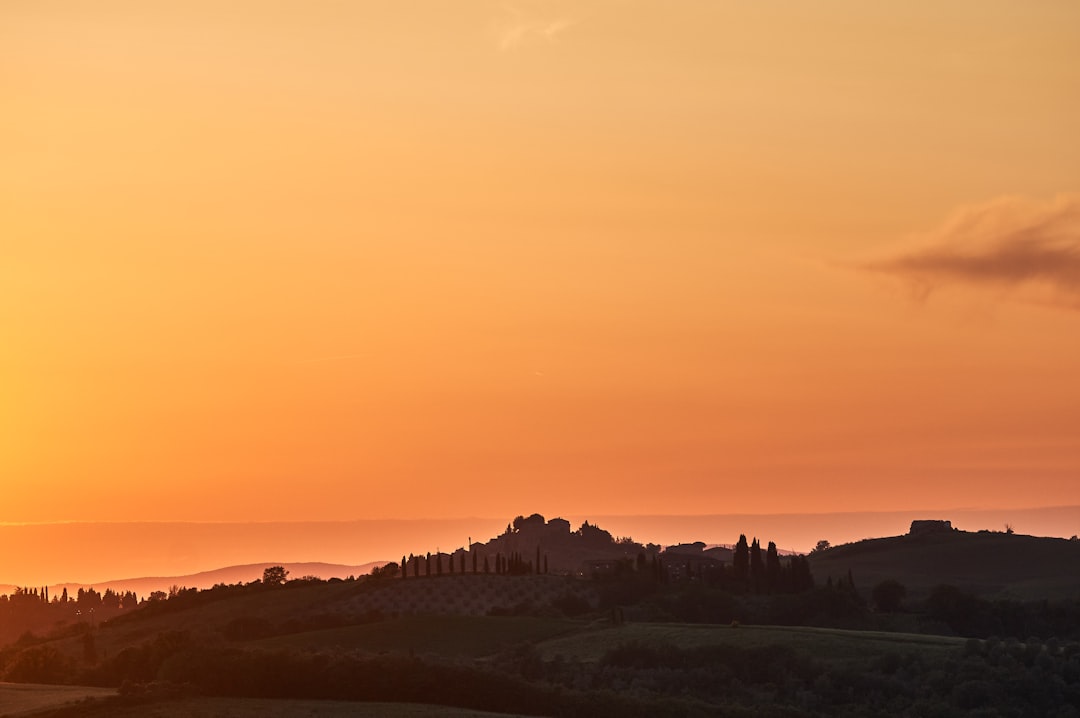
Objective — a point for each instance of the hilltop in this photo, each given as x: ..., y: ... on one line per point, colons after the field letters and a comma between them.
x: 564, y: 550
x: 986, y: 563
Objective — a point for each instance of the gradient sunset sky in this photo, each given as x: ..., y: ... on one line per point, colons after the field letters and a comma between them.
x: 332, y: 260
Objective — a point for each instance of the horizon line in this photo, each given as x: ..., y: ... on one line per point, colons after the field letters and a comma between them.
x: 214, y: 522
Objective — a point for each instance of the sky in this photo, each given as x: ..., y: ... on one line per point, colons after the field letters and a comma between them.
x: 326, y: 261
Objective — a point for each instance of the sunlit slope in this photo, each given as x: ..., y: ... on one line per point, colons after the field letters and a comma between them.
x: 346, y: 614
x: 986, y: 563
x: 20, y: 699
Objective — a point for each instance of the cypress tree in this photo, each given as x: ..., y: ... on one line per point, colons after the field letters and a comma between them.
x: 427, y: 568
x: 404, y: 567
x: 741, y: 561
x: 757, y: 566
x: 772, y: 568
x: 801, y: 578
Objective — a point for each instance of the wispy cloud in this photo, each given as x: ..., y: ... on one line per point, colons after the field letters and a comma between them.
x: 336, y: 357
x: 518, y: 28
x: 1027, y: 247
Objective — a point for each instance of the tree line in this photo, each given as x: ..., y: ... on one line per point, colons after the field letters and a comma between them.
x: 513, y: 563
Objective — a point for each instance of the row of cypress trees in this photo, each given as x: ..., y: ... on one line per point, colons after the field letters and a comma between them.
x: 512, y: 564
x: 768, y: 574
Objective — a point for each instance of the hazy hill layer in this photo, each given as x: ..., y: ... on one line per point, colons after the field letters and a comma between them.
x: 144, y: 586
x: 227, y: 575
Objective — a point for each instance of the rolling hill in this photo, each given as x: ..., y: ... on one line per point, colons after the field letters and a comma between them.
x: 989, y: 564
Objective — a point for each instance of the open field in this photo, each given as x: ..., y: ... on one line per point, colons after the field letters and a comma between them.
x: 831, y: 644
x: 555, y: 666
x: 464, y: 636
x: 268, y: 708
x: 18, y: 699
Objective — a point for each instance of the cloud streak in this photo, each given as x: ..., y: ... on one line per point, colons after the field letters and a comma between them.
x: 1023, y: 246
x: 518, y: 29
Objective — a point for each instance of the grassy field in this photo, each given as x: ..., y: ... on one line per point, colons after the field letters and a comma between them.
x: 830, y: 644
x: 265, y: 708
x: 465, y: 636
x: 19, y: 699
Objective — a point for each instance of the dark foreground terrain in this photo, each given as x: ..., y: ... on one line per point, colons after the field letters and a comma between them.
x: 548, y: 645
x: 935, y: 623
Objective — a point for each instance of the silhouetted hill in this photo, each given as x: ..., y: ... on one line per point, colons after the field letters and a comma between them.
x: 991, y: 564
x: 564, y: 549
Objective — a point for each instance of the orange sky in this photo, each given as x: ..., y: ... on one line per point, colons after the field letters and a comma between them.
x: 331, y: 260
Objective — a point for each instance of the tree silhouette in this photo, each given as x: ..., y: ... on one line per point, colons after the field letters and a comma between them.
x: 757, y: 566
x: 772, y: 568
x: 887, y: 595
x: 274, y: 575
x: 741, y: 560
x: 801, y: 578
